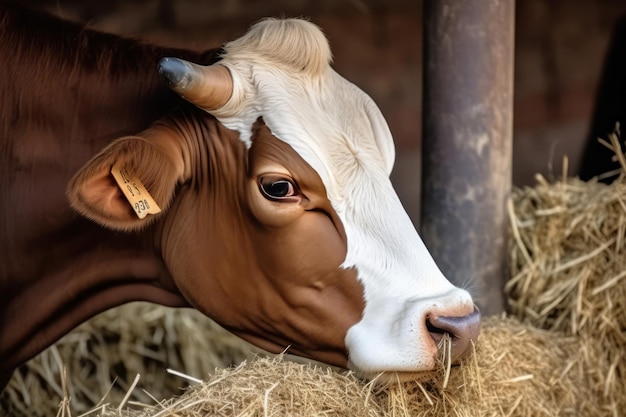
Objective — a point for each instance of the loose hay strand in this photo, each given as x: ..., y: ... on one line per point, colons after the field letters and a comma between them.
x: 266, y: 399
x: 128, y: 393
x: 184, y: 375
x: 447, y: 349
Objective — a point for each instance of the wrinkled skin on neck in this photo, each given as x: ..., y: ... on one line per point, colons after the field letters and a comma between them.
x: 269, y: 271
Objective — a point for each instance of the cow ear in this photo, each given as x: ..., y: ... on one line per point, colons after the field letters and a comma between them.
x: 147, y: 170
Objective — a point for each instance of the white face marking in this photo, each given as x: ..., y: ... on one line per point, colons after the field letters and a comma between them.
x: 340, y: 132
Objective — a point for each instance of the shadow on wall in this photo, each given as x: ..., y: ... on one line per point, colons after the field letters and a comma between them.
x: 610, y: 107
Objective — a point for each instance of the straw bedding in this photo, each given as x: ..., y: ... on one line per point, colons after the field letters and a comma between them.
x: 561, y: 352
x: 489, y: 382
x: 104, y: 354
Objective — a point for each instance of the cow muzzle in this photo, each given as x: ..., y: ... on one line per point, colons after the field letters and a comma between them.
x: 405, y: 337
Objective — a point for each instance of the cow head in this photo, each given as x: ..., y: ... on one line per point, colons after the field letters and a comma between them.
x: 293, y: 237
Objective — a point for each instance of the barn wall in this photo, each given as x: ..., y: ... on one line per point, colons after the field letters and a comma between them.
x: 559, y: 56
x: 560, y: 46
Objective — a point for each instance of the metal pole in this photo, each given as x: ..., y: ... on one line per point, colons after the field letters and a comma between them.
x: 468, y: 101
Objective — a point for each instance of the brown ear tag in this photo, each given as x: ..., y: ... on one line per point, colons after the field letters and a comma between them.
x: 135, y: 192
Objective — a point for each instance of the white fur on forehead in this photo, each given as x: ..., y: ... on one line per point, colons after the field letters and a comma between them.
x: 281, y: 71
x: 294, y: 44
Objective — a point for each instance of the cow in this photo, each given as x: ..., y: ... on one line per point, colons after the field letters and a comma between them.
x: 258, y: 194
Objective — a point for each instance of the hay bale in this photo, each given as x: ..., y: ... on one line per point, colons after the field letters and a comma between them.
x: 515, y: 371
x: 104, y: 354
x: 568, y: 265
x: 568, y: 258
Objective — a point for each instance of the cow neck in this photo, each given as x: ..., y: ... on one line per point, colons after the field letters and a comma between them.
x: 100, y: 270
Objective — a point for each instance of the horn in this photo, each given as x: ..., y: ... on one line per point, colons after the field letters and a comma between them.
x: 208, y: 87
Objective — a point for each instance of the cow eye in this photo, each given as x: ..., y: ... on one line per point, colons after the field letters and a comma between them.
x: 277, y: 188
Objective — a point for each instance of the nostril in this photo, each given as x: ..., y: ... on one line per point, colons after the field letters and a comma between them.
x: 435, y: 332
x: 462, y: 330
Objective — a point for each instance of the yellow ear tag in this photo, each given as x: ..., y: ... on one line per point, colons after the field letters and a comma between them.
x: 135, y: 192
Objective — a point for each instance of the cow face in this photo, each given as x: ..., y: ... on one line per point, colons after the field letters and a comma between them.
x: 267, y: 250
x: 287, y: 229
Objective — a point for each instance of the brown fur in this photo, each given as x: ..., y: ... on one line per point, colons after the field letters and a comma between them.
x: 65, y: 93
x: 267, y: 271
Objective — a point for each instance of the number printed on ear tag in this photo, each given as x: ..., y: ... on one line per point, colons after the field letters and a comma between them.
x: 135, y: 192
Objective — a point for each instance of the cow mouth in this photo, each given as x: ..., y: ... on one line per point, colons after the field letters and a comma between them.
x: 384, y: 379
x: 426, y: 349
